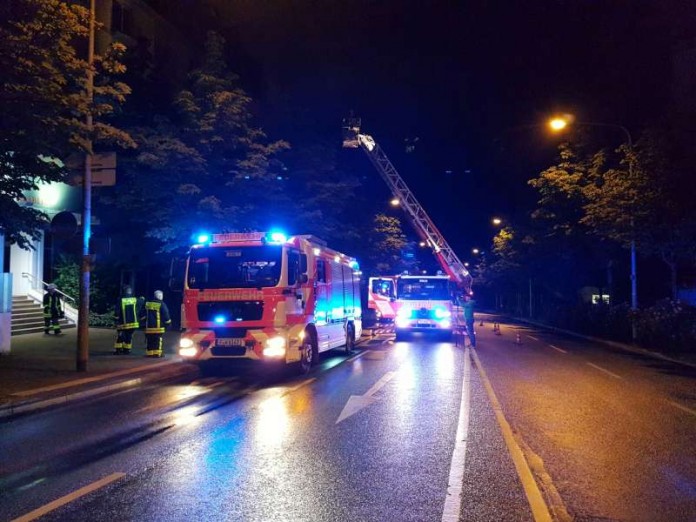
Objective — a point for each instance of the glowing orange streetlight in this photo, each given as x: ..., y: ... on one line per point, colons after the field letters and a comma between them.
x: 558, y: 124
x: 395, y: 202
x: 496, y: 221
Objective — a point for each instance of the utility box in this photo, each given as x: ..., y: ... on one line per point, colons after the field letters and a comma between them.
x: 5, y: 312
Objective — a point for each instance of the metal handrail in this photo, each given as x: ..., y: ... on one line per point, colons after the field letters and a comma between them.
x: 33, y: 280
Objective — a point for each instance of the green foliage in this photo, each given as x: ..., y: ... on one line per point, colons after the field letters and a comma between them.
x: 206, y: 167
x: 68, y: 281
x: 669, y: 326
x: 387, y: 244
x: 43, y: 102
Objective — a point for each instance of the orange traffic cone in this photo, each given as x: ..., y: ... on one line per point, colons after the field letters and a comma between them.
x: 496, y: 329
x: 481, y: 323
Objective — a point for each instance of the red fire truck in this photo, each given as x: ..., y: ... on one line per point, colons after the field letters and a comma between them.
x: 266, y: 297
x: 381, y: 295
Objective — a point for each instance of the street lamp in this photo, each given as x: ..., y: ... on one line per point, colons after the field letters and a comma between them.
x: 395, y: 202
x: 558, y: 124
x: 496, y: 221
x: 475, y: 251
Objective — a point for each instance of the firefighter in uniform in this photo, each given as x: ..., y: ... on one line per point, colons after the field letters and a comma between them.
x: 53, y: 310
x: 128, y: 309
x: 155, y: 316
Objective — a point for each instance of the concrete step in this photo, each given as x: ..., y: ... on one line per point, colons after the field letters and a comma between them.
x: 27, y: 320
x: 37, y: 328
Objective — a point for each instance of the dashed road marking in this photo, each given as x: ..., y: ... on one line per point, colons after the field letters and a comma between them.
x: 540, y: 510
x: 558, y: 349
x: 356, y: 356
x: 300, y: 385
x: 604, y: 370
x: 51, y: 506
x: 532, y: 338
x: 455, y: 485
x: 682, y: 408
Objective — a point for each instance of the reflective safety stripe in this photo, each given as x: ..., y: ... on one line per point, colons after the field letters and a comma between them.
x: 128, y: 326
x: 154, y: 330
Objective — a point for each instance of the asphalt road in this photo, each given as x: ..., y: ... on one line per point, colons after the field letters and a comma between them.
x: 399, y: 431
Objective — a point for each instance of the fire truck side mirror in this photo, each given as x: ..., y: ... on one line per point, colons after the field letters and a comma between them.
x: 303, y: 279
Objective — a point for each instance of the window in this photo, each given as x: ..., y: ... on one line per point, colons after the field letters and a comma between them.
x: 293, y: 266
x: 238, y: 267
x: 321, y: 271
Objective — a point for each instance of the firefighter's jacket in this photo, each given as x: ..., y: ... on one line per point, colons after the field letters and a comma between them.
x: 52, y: 305
x: 128, y: 309
x: 155, y: 316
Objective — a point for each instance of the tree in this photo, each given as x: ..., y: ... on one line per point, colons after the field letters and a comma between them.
x: 387, y: 244
x: 44, y: 102
x: 205, y: 165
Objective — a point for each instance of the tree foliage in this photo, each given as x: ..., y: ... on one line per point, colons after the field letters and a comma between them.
x: 43, y: 102
x: 204, y: 165
x: 387, y: 245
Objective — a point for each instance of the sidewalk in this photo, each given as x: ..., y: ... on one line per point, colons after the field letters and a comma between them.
x: 40, y: 366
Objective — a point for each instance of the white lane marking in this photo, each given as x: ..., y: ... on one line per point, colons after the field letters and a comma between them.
x: 356, y: 356
x: 380, y: 384
x: 558, y: 349
x: 453, y: 500
x: 300, y: 385
x: 532, y: 338
x: 355, y: 403
x: 682, y: 408
x: 51, y: 506
x: 604, y: 370
x: 540, y: 510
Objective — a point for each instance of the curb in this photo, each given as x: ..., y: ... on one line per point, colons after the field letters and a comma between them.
x: 149, y: 374
x: 613, y: 344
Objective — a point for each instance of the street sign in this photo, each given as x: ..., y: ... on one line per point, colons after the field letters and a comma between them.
x: 106, y: 160
x: 100, y: 178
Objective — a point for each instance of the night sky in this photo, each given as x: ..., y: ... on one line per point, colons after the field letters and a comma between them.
x: 467, y: 78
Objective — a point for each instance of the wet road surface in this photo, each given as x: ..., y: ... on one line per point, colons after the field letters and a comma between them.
x: 416, y: 430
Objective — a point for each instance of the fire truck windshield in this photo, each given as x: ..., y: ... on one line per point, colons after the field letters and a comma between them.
x: 421, y: 289
x: 235, y: 267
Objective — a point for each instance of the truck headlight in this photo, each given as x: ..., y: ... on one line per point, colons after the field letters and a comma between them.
x: 185, y: 342
x: 275, y: 347
x: 188, y: 352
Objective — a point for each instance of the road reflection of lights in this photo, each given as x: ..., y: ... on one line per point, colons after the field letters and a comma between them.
x: 185, y: 416
x: 191, y: 391
x: 273, y: 422
x: 400, y: 350
x: 444, y: 360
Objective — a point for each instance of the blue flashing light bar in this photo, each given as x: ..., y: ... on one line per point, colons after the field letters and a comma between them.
x: 277, y: 237
x: 203, y: 238
x: 219, y: 319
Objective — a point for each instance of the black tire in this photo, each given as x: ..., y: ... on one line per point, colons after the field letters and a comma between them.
x: 350, y: 338
x: 308, y: 354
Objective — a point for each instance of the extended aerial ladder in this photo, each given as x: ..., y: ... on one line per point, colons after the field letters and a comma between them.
x: 426, y: 229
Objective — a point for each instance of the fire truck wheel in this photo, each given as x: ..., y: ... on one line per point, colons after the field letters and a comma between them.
x: 309, y: 354
x: 350, y: 338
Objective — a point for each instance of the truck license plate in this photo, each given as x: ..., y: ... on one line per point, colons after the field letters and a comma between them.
x: 229, y: 341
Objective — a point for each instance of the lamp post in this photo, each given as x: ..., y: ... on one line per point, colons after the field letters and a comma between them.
x: 82, y: 354
x: 558, y: 124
